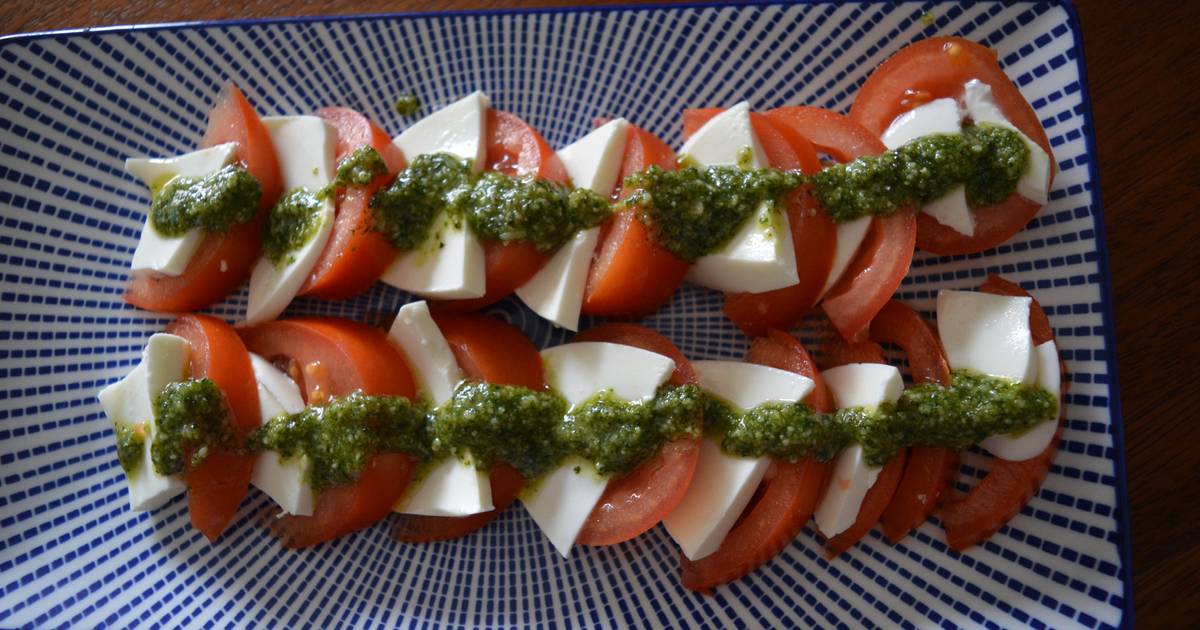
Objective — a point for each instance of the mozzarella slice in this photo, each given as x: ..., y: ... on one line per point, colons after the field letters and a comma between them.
x: 937, y: 116
x: 459, y: 129
x: 760, y: 256
x: 723, y: 484
x: 452, y: 487
x: 428, y: 353
x: 862, y: 386
x: 449, y: 265
x: 594, y: 161
x: 282, y: 479
x: 169, y: 255
x: 562, y: 500
x: 306, y: 148
x: 850, y: 236
x: 1031, y: 443
x: 556, y: 291
x: 952, y: 211
x: 987, y: 333
x: 1034, y: 184
x: 131, y: 400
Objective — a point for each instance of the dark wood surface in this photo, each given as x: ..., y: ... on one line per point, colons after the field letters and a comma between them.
x: 1144, y: 79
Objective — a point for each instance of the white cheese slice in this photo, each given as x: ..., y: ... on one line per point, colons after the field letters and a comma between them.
x: 1031, y: 443
x: 760, y: 256
x: 952, y: 211
x: 306, y: 147
x: 131, y: 400
x: 278, y: 477
x: 449, y: 265
x: 594, y: 161
x: 451, y: 487
x: 863, y: 385
x: 556, y: 291
x: 987, y: 333
x: 850, y: 236
x: 429, y: 355
x: 459, y: 129
x: 1034, y: 184
x: 562, y: 500
x: 723, y: 484
x: 169, y: 255
x: 936, y: 116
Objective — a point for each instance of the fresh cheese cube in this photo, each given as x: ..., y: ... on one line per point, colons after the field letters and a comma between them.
x: 429, y: 355
x: 724, y: 484
x: 1032, y: 442
x: 169, y: 255
x: 562, y: 500
x: 854, y: 386
x: 282, y: 479
x: 306, y: 147
x: 594, y: 161
x: 131, y: 400
x: 952, y: 211
x: 459, y: 129
x: 987, y: 333
x: 760, y: 256
x: 1034, y: 184
x: 850, y: 236
x: 936, y: 116
x: 449, y: 265
x: 556, y: 291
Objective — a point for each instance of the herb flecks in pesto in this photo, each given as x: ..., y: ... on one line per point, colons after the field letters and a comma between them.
x: 785, y: 431
x: 293, y: 220
x: 214, y: 203
x: 405, y: 210
x: 616, y: 436
x: 357, y: 169
x: 407, y: 104
x: 190, y: 418
x: 547, y: 214
x: 131, y: 444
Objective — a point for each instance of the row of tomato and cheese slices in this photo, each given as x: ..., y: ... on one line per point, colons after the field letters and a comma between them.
x: 979, y: 331
x: 765, y: 255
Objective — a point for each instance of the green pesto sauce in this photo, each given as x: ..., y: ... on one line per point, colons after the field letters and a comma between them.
x: 537, y: 211
x: 131, y: 442
x: 357, y: 169
x: 405, y: 210
x: 339, y: 437
x: 785, y: 431
x: 407, y: 104
x: 190, y: 418
x: 987, y: 159
x: 293, y: 220
x: 616, y: 436
x: 214, y: 203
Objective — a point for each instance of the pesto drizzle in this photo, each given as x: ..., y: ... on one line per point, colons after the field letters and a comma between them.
x: 357, y: 169
x: 214, y: 203
x: 293, y: 220
x: 190, y: 418
x: 131, y: 443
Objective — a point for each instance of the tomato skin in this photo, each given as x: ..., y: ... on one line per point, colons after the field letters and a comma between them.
x: 217, y: 486
x: 631, y: 274
x: 937, y: 68
x: 223, y: 261
x: 356, y: 255
x: 637, y: 501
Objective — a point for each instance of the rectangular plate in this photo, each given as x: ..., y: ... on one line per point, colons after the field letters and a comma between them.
x: 75, y: 104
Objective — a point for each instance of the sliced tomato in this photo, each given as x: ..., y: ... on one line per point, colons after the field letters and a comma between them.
x: 222, y: 261
x: 356, y: 255
x: 334, y: 357
x: 929, y: 470
x: 882, y: 260
x: 786, y: 498
x: 938, y: 67
x: 635, y: 502
x: 1009, y: 485
x: 694, y: 119
x: 631, y: 274
x: 217, y: 486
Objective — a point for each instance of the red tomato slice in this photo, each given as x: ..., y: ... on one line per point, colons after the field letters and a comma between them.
x: 1009, y: 485
x: 636, y: 502
x: 217, y: 486
x: 334, y: 357
x: 882, y: 261
x: 937, y: 68
x: 694, y: 119
x: 631, y: 274
x: 222, y: 261
x: 356, y: 256
x: 786, y: 498
x: 929, y: 470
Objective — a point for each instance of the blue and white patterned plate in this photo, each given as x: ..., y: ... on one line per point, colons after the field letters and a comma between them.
x: 74, y: 105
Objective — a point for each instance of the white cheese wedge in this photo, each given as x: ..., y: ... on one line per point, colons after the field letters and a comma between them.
x: 854, y: 386
x: 1031, y: 443
x: 429, y: 355
x: 459, y: 129
x: 556, y: 291
x: 131, y: 400
x: 1034, y: 184
x: 987, y: 333
x: 850, y: 236
x: 760, y: 256
x: 562, y: 500
x: 723, y: 484
x: 169, y: 255
x: 938, y: 116
x: 594, y: 161
x: 952, y: 211
x: 278, y: 477
x: 306, y: 147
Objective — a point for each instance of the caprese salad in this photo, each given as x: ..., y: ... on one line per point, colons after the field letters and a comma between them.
x: 448, y: 417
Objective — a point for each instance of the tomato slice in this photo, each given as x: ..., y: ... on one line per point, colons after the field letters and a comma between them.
x: 217, y: 486
x: 222, y: 261
x: 938, y: 67
x: 882, y: 261
x: 631, y: 274
x: 786, y: 498
x: 929, y: 470
x: 1009, y: 485
x: 334, y: 357
x: 637, y: 501
x: 356, y: 255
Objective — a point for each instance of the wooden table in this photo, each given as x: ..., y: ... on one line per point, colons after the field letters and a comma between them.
x: 1145, y: 87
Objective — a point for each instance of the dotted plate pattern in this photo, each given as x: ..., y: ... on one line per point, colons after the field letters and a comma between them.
x: 74, y: 105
